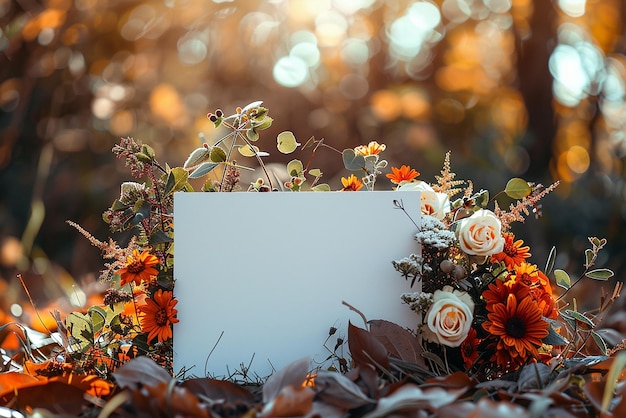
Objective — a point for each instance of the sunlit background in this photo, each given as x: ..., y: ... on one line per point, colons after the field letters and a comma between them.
x: 528, y: 88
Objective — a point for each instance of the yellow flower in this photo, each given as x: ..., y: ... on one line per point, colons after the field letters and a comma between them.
x: 157, y: 315
x: 138, y: 268
x: 372, y: 148
x: 351, y: 184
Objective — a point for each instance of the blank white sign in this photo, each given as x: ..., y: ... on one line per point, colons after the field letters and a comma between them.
x: 260, y: 277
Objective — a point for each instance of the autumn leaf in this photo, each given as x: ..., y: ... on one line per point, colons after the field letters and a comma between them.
x: 293, y: 374
x: 140, y: 371
x: 399, y: 342
x: 366, y: 349
x: 337, y: 390
x: 290, y: 402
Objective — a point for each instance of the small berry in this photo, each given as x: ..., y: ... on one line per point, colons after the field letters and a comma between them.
x: 219, y: 113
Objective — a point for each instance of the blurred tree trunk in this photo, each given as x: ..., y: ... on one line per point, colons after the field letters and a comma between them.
x: 535, y: 85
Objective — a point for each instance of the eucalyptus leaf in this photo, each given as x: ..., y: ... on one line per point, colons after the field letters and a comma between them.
x: 517, y: 188
x: 197, y: 156
x: 600, y: 274
x: 286, y: 142
x: 579, y: 317
x: 554, y: 338
x: 550, y: 261
x: 562, y: 279
x: 98, y: 318
x: 203, y: 169
x: 599, y: 342
x: 252, y: 106
x: 481, y: 198
x: 264, y: 123
x: 352, y: 161
x: 251, y: 151
x: 315, y: 172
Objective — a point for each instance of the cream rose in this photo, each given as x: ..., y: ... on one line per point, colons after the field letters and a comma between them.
x: 480, y: 234
x: 450, y: 317
x: 432, y: 203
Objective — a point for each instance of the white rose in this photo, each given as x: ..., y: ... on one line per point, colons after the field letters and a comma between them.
x: 449, y: 318
x: 480, y: 234
x: 432, y: 203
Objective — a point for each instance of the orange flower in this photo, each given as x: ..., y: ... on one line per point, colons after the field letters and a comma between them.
x: 157, y: 315
x: 499, y: 291
x: 372, y: 148
x: 513, y: 253
x: 469, y: 348
x: 138, y: 268
x: 351, y: 183
x: 404, y: 173
x: 519, y: 328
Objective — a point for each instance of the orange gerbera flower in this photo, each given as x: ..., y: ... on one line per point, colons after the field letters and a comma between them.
x: 514, y: 252
x: 469, y: 348
x: 372, y: 148
x: 404, y: 173
x: 139, y: 267
x: 351, y: 184
x: 499, y: 291
x: 519, y: 328
x: 157, y: 315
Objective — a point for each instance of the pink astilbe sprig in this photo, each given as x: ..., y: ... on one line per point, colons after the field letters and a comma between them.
x: 518, y: 211
x: 110, y: 250
x: 446, y: 182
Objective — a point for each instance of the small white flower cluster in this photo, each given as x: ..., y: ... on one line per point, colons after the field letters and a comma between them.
x: 433, y: 233
x: 419, y: 302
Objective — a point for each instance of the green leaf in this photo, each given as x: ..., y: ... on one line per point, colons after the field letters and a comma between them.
x: 481, y: 198
x: 148, y: 150
x: 197, y: 156
x: 295, y: 168
x: 203, y: 169
x: 579, y: 317
x: 599, y: 342
x: 159, y: 237
x: 562, y: 279
x: 315, y: 172
x: 600, y: 274
x: 98, y: 317
x: 250, y: 151
x: 321, y: 188
x: 550, y: 261
x: 118, y: 205
x: 176, y: 180
x: 286, y: 142
x: 554, y: 338
x: 517, y: 188
x: 252, y: 134
x: 351, y: 160
x: 611, y: 380
x: 264, y: 123
x: 588, y: 257
x: 218, y: 155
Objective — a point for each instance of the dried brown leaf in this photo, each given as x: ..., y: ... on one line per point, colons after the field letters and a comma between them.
x: 140, y: 371
x: 410, y: 397
x: 399, y: 342
x: 164, y: 400
x: 452, y: 381
x: 292, y: 401
x: 336, y: 389
x: 222, y: 390
x: 293, y: 374
x: 366, y: 349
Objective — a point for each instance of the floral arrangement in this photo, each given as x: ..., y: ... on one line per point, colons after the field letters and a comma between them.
x: 492, y: 330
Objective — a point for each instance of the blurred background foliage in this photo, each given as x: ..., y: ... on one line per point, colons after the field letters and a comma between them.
x: 528, y: 88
